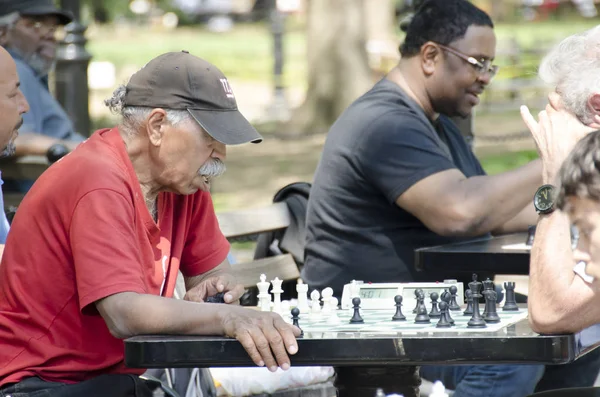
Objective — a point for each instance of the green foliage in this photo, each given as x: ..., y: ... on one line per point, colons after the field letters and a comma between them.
x: 506, y: 162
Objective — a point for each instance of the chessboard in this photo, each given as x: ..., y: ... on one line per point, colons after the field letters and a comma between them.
x: 379, y: 321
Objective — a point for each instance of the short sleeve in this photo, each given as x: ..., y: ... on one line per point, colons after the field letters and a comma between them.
x: 205, y: 246
x: 106, y: 255
x: 398, y: 152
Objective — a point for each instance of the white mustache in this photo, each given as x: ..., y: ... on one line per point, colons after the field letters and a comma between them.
x: 212, y: 168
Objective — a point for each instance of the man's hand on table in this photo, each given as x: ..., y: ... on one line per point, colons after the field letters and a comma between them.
x: 222, y: 283
x: 267, y: 338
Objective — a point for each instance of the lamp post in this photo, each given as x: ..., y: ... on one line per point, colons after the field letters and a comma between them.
x: 71, y: 80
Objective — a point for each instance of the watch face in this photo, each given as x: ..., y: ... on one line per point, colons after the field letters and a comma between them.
x: 544, y: 198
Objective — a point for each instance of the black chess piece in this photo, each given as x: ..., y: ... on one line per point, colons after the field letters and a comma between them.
x: 443, y: 321
x: 446, y: 297
x: 453, y: 303
x: 219, y: 297
x: 530, y: 235
x: 469, y: 298
x: 398, y: 316
x: 510, y: 302
x: 422, y: 316
x: 417, y: 291
x: 356, y: 318
x: 476, y: 320
x: 491, y: 315
x: 295, y: 317
x: 487, y: 286
x: 435, y: 312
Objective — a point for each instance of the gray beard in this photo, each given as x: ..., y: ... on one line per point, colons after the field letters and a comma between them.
x: 40, y: 66
x: 9, y: 150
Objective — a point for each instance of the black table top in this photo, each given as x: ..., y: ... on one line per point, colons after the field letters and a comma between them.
x: 515, y: 343
x: 479, y: 255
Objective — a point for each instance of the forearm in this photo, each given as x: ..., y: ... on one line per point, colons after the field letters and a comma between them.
x: 495, y: 202
x: 558, y: 299
x: 32, y: 143
x: 527, y: 217
x: 128, y: 314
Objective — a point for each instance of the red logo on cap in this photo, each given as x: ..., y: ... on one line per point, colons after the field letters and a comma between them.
x: 227, y: 88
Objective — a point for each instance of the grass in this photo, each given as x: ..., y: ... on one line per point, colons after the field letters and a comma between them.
x: 505, y: 162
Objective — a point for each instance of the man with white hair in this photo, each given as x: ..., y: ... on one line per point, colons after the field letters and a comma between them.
x: 560, y: 300
x: 107, y: 229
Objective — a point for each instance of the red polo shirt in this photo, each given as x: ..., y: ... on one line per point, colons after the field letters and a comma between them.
x: 82, y: 233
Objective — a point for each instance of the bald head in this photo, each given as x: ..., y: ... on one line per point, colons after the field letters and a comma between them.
x: 12, y: 103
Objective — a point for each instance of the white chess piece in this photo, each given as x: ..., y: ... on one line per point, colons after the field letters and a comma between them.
x: 438, y: 390
x: 315, y: 310
x: 264, y: 298
x: 302, y: 290
x: 277, y: 291
x: 286, y: 311
x: 354, y: 289
x: 326, y: 296
x: 333, y: 318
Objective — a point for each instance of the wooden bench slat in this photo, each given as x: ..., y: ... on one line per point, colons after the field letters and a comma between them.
x: 282, y: 266
x: 248, y: 222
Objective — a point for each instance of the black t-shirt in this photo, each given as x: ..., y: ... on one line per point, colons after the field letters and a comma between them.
x: 378, y: 148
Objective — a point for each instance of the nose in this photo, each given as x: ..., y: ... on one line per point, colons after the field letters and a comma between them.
x: 219, y: 151
x: 484, y: 78
x: 580, y: 255
x: 23, y: 104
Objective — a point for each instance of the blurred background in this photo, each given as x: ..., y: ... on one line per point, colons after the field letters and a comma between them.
x: 294, y: 65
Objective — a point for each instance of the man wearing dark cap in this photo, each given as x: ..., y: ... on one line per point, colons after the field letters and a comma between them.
x: 27, y: 31
x: 112, y: 223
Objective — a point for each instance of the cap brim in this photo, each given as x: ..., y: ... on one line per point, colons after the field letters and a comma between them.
x: 228, y: 127
x: 64, y: 17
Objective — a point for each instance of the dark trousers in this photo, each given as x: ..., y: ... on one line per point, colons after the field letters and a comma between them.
x: 580, y: 373
x: 103, y: 386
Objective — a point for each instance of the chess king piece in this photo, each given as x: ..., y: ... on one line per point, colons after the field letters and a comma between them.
x: 469, y: 298
x: 435, y: 312
x: 476, y: 320
x: 356, y: 318
x: 510, y: 302
x: 264, y: 298
x: 398, y: 316
x: 443, y: 321
x: 491, y: 315
x: 453, y: 303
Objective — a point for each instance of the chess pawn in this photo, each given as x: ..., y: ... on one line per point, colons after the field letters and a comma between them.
x: 443, y: 321
x: 435, y: 312
x: 295, y: 317
x: 398, y: 316
x: 453, y: 303
x: 333, y: 318
x: 315, y: 309
x: 326, y: 296
x: 469, y: 298
x: 356, y: 318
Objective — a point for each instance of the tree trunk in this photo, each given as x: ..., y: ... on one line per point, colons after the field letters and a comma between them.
x: 338, y: 67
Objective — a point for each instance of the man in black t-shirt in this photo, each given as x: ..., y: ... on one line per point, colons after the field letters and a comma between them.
x: 396, y: 175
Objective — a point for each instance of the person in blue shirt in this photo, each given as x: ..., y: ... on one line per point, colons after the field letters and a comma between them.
x: 27, y: 31
x: 13, y: 106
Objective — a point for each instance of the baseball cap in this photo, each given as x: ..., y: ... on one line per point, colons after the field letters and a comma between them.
x: 35, y: 8
x: 182, y: 81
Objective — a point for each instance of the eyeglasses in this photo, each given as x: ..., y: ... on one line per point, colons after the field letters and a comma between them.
x: 481, y: 67
x: 40, y: 27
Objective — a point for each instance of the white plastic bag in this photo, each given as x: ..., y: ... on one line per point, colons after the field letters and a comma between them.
x: 239, y: 382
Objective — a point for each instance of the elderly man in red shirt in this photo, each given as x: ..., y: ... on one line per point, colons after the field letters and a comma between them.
x: 96, y: 245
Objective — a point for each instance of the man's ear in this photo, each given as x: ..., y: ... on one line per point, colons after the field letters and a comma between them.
x: 430, y: 56
x: 593, y: 105
x: 155, y: 128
